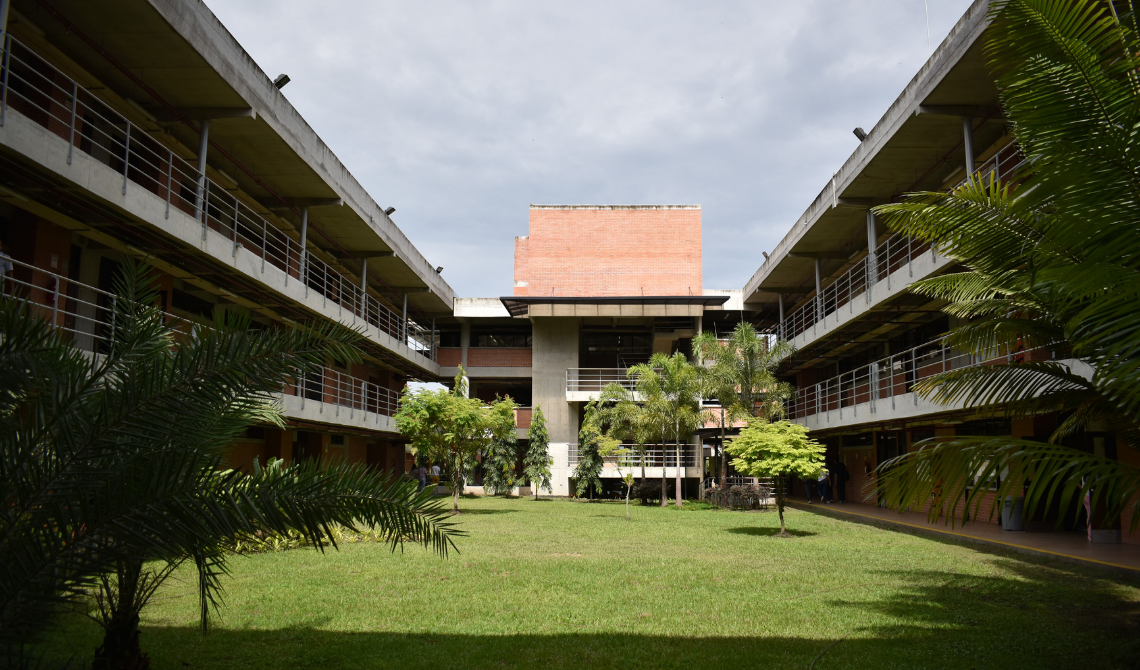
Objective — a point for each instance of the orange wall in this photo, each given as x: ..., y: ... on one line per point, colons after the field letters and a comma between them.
x: 610, y: 251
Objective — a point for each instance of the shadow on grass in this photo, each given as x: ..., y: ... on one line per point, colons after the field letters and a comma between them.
x: 767, y: 532
x: 487, y: 511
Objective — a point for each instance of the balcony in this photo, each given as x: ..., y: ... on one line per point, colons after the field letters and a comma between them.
x: 83, y: 314
x: 883, y: 390
x: 895, y: 254
x: 586, y: 384
x: 46, y: 96
x: 655, y: 456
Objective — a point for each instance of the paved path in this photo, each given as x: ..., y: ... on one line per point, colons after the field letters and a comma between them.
x: 1073, y: 546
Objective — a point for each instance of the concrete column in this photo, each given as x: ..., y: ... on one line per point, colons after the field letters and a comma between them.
x: 404, y: 319
x: 968, y: 140
x: 555, y: 349
x: 464, y: 342
x: 203, y: 146
x: 872, y: 244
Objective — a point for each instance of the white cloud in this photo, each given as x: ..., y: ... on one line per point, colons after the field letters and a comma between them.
x: 461, y: 114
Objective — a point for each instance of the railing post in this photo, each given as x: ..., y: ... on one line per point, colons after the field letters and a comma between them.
x: 126, y: 157
x: 203, y: 147
x: 304, y: 257
x: 7, y: 67
x: 71, y: 125
x: 265, y: 246
x: 55, y: 304
x: 114, y: 311
x: 205, y: 206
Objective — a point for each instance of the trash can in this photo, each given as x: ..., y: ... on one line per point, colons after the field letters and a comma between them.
x: 1011, y: 513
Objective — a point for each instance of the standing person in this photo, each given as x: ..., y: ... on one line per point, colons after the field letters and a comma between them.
x: 807, y: 489
x: 421, y: 475
x: 841, y: 478
x: 435, y: 474
x: 822, y: 487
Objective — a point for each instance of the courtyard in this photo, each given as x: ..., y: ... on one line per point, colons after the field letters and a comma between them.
x: 562, y: 584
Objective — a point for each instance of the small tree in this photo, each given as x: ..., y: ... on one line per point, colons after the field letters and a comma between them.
x: 612, y: 447
x: 777, y: 450
x: 589, y: 469
x: 501, y: 460
x: 536, y: 463
x: 448, y: 427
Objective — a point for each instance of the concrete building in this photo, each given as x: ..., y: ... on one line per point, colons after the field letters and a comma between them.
x: 142, y: 128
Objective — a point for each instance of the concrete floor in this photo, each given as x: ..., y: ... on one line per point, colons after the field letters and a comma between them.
x: 1072, y: 546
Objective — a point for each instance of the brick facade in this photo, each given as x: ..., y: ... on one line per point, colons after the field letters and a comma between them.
x: 498, y: 357
x: 610, y: 250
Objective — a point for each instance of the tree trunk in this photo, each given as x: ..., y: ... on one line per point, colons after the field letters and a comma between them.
x: 677, y: 437
x: 455, y: 489
x: 723, y: 453
x: 627, y: 489
x: 120, y: 649
x: 780, y: 504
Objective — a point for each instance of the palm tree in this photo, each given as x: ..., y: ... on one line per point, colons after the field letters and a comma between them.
x: 740, y: 373
x: 1052, y: 259
x: 669, y: 389
x: 110, y: 463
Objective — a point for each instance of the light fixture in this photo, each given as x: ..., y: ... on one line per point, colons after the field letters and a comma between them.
x: 860, y: 133
x: 765, y: 255
x: 439, y: 269
x: 389, y: 211
x: 280, y: 81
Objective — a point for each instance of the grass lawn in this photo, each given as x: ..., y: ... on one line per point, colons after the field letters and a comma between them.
x: 557, y: 584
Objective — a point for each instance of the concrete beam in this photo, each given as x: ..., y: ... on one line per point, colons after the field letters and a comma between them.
x: 204, y: 114
x: 274, y: 203
x: 974, y: 111
x: 836, y: 255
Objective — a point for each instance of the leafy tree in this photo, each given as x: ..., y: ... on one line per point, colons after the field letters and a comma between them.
x: 740, y: 373
x: 628, y: 421
x: 110, y: 467
x: 778, y: 450
x: 612, y: 448
x: 536, y: 463
x: 448, y: 427
x: 590, y: 440
x: 1051, y: 258
x: 500, y: 463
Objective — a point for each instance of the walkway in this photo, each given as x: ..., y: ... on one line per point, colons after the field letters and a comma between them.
x: 1071, y: 546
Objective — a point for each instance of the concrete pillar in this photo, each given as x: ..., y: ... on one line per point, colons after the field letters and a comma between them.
x: 464, y: 342
x: 203, y: 146
x: 555, y: 349
x: 968, y: 141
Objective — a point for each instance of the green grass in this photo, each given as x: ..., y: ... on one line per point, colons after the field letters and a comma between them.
x: 556, y: 584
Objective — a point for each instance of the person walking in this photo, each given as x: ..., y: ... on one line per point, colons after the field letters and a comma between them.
x: 822, y: 487
x: 807, y: 489
x: 421, y: 475
x: 842, y: 476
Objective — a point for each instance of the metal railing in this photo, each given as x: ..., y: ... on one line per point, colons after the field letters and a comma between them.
x: 892, y: 255
x: 896, y: 252
x: 893, y: 376
x: 590, y: 380
x: 85, y: 316
x: 45, y: 95
x: 654, y: 456
x: 343, y: 390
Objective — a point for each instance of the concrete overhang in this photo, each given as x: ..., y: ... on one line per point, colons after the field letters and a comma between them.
x: 610, y: 305
x: 174, y: 60
x: 915, y: 146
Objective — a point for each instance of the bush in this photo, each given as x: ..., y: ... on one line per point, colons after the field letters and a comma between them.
x: 647, y: 491
x: 750, y: 496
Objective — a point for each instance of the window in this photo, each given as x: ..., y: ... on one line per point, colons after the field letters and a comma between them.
x: 501, y: 338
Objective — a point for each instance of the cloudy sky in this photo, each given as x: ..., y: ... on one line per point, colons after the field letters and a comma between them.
x: 461, y: 114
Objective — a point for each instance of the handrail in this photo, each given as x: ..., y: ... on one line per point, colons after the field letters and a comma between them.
x: 596, y: 379
x: 889, y: 257
x: 653, y: 456
x: 893, y: 376
x: 48, y: 96
x: 85, y: 314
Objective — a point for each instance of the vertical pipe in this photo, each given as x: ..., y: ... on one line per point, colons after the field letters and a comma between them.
x: 872, y: 244
x: 55, y: 304
x: 71, y: 127
x: 4, y: 4
x: 235, y: 226
x: 7, y: 66
x: 431, y: 353
x: 364, y: 288
x: 783, y: 335
x: 404, y: 320
x: 126, y: 157
x: 169, y: 179
x: 968, y: 142
x: 818, y: 292
x: 203, y: 146
x: 303, y: 269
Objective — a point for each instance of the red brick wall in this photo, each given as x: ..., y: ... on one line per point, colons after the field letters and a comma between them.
x: 450, y: 356
x: 610, y: 251
x: 522, y: 265
x: 523, y: 416
x: 498, y: 357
